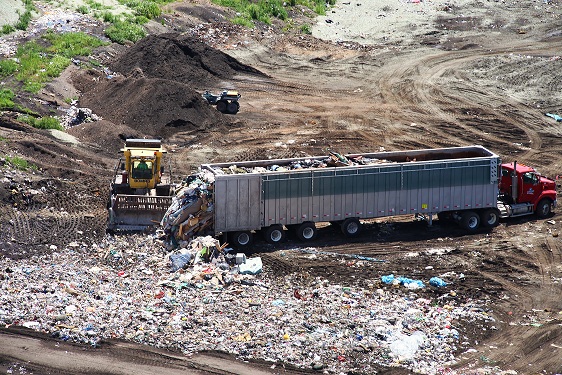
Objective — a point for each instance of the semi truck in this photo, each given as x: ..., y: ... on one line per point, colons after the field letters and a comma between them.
x: 468, y: 185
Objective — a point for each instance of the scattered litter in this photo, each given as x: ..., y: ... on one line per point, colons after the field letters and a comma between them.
x: 437, y: 282
x: 554, y: 116
x: 123, y: 288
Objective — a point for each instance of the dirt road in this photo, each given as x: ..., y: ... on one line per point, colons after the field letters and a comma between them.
x: 472, y: 75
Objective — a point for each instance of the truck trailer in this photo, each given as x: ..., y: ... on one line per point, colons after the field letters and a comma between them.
x: 468, y: 185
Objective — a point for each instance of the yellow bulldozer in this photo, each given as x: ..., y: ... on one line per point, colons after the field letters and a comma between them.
x: 141, y: 189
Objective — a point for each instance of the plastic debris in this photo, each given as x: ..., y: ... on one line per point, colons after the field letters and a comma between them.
x: 558, y: 118
x: 253, y: 266
x: 437, y: 282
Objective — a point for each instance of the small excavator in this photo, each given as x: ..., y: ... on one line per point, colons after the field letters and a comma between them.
x: 141, y: 190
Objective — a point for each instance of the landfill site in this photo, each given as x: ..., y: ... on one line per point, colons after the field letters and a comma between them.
x: 400, y: 296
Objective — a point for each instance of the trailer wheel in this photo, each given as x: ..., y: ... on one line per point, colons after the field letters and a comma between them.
x: 306, y: 231
x: 490, y: 217
x: 275, y: 234
x: 351, y: 227
x: 222, y: 105
x: 241, y: 239
x: 232, y: 108
x: 543, y: 208
x: 470, y: 221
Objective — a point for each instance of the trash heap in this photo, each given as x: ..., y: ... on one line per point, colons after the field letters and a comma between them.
x: 201, y: 297
x: 191, y: 211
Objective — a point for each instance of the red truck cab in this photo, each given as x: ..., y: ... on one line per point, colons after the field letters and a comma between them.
x: 527, y: 186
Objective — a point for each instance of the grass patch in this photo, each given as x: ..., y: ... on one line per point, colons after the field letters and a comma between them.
x: 6, y: 99
x: 95, y: 5
x: 263, y: 10
x: 37, y: 64
x: 6, y: 29
x: 70, y: 100
x: 72, y: 44
x: 3, y: 139
x: 306, y: 29
x: 123, y: 31
x: 8, y: 67
x: 20, y: 163
x: 46, y: 122
x: 83, y: 9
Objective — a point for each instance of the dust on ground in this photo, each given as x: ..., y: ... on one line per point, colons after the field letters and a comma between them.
x: 427, y: 74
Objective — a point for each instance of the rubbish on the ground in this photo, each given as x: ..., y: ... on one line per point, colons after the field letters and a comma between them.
x: 407, y: 282
x: 240, y: 258
x: 179, y: 261
x: 253, y: 266
x: 405, y: 346
x: 558, y: 118
x: 437, y: 282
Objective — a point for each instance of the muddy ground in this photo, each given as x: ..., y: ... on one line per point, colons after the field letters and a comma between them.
x: 475, y: 73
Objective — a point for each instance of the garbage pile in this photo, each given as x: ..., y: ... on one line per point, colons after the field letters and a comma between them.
x: 191, y: 211
x: 202, y: 297
x: 76, y: 116
x: 333, y: 160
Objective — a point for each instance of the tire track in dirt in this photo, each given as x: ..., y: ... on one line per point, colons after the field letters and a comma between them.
x: 429, y: 88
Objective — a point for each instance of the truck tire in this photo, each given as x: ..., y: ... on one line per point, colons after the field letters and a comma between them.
x: 274, y: 234
x: 232, y: 108
x: 543, y: 208
x: 490, y: 217
x: 222, y: 105
x: 351, y: 227
x: 306, y: 231
x: 470, y: 221
x: 241, y: 239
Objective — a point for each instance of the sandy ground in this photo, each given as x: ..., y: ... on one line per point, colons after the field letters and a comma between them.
x: 9, y: 11
x: 381, y: 21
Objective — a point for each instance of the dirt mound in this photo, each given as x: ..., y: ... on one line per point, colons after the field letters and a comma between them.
x: 152, y: 106
x: 180, y: 58
x: 159, y: 91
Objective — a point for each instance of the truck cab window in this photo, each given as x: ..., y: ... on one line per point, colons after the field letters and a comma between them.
x: 530, y: 178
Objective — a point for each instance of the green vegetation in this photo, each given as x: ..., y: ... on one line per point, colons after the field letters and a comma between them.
x: 305, y: 29
x: 8, y: 67
x: 83, y: 9
x: 25, y: 17
x: 20, y: 163
x: 37, y: 64
x: 6, y: 99
x: 264, y: 10
x: 6, y: 29
x: 122, y: 31
x: 3, y: 139
x: 95, y: 5
x: 47, y: 122
x: 70, y: 100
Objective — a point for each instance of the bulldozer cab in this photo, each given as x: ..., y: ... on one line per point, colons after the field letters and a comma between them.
x: 143, y: 162
x: 142, y: 169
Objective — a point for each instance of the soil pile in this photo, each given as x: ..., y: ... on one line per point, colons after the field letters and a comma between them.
x: 180, y: 58
x: 156, y: 94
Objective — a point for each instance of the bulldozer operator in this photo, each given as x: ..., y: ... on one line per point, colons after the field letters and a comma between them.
x: 142, y: 170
